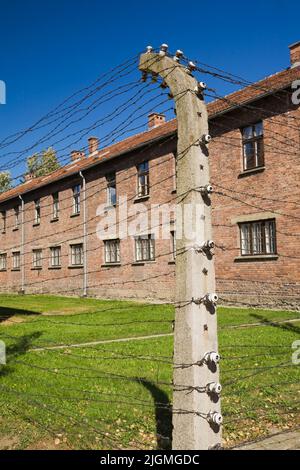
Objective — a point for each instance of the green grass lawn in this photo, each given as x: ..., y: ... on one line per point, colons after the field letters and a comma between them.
x: 117, y: 395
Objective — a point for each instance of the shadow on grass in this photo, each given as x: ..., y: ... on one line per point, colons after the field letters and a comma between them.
x: 6, y: 313
x: 17, y: 349
x: 163, y: 415
x: 283, y: 326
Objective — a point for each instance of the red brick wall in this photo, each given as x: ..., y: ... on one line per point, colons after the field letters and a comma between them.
x: 259, y: 282
x: 154, y: 280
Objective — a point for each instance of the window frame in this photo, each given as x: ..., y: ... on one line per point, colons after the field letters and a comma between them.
x: 37, y: 212
x: 175, y: 173
x: 54, y: 257
x: 143, y: 189
x: 16, y: 256
x: 74, y: 255
x: 112, y: 256
x: 252, y: 252
x: 3, y: 221
x: 173, y: 244
x: 76, y: 199
x: 257, y: 141
x: 37, y: 261
x: 139, y: 251
x: 17, y: 213
x: 55, y: 206
x: 3, y: 265
x: 111, y: 181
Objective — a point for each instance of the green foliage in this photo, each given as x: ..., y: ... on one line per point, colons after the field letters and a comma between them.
x: 5, y: 181
x: 42, y: 164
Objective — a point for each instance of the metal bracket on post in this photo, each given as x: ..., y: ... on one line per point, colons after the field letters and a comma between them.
x: 196, y: 328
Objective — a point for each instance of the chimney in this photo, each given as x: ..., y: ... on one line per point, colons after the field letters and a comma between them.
x: 29, y: 177
x: 295, y: 54
x: 93, y: 145
x: 155, y: 120
x: 77, y: 155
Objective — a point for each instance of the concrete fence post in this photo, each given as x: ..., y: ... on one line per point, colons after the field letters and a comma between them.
x: 196, y: 400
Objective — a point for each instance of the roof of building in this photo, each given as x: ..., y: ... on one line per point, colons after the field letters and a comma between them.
x: 269, y: 85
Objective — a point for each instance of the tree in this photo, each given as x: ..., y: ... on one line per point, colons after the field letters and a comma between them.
x: 5, y: 181
x: 41, y: 164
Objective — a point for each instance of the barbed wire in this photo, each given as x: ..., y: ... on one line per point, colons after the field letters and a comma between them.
x: 62, y: 120
x: 112, y: 135
x: 58, y: 412
x: 102, y: 185
x: 64, y: 371
x: 100, y: 122
x: 65, y: 101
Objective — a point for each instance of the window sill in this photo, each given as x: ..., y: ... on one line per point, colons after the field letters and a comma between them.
x: 142, y: 263
x: 55, y: 219
x: 36, y: 269
x: 75, y: 215
x: 54, y: 268
x: 16, y: 270
x: 110, y: 208
x: 111, y: 265
x: 253, y: 171
x: 242, y: 259
x: 141, y: 199
x: 79, y: 266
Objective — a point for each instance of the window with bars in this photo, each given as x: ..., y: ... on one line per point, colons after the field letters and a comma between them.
x: 3, y: 221
x: 16, y: 260
x: 112, y: 251
x: 111, y: 189
x: 17, y: 216
x: 37, y: 211
x: 37, y: 258
x: 258, y: 238
x: 145, y: 248
x: 76, y: 199
x: 55, y: 256
x: 55, y: 206
x: 143, y: 179
x: 253, y: 146
x: 77, y: 254
x: 3, y: 262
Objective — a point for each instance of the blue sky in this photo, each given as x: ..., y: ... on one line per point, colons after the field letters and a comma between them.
x: 52, y: 48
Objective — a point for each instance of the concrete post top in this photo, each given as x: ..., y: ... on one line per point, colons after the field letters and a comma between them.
x: 174, y: 74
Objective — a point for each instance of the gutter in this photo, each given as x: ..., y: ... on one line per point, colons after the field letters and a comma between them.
x: 22, y: 245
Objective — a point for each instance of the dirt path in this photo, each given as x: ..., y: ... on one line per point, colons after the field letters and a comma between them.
x: 95, y: 343
x: 280, y: 441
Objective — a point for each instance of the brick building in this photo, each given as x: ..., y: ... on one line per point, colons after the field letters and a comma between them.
x: 49, y: 226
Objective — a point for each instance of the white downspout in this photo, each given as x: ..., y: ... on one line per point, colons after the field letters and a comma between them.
x: 22, y: 245
x: 84, y: 235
